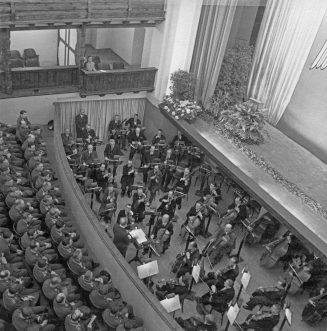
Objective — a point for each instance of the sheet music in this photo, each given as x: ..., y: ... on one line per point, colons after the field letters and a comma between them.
x: 245, y: 280
x: 196, y: 272
x: 288, y: 315
x: 232, y: 313
x: 171, y: 304
x: 138, y: 235
x: 148, y: 269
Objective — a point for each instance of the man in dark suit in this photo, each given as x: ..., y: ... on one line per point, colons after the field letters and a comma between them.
x: 136, y: 139
x: 80, y: 122
x: 133, y: 122
x: 121, y: 236
x: 89, y: 156
x: 149, y: 158
x: 127, y: 179
x: 179, y: 138
x: 168, y: 159
x: 218, y: 300
x: 67, y: 141
x: 89, y: 135
x: 110, y: 151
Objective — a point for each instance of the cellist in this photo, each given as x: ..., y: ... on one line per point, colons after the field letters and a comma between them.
x: 162, y: 232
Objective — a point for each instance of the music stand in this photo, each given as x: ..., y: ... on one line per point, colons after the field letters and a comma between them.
x: 232, y: 313
x: 139, y: 238
x: 147, y: 270
x: 171, y: 304
x: 190, y: 236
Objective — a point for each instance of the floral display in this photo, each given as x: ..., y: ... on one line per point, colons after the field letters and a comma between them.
x: 181, y: 109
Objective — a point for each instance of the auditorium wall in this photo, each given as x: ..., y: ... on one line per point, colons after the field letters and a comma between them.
x: 43, y: 41
x: 305, y: 118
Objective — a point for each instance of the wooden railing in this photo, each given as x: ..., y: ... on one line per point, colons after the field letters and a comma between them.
x: 118, y: 81
x: 49, y: 12
x: 44, y: 77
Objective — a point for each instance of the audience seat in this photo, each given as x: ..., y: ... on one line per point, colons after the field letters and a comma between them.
x: 16, y: 63
x: 118, y: 65
x: 31, y: 58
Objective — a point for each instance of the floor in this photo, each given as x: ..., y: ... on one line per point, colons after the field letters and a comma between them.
x: 249, y: 255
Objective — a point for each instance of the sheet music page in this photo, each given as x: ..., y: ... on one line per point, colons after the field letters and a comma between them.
x: 196, y: 273
x: 148, y: 269
x: 138, y: 235
x: 232, y: 313
x: 171, y: 304
x: 245, y: 280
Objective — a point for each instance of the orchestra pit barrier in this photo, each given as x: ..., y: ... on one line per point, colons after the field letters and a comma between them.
x: 133, y: 290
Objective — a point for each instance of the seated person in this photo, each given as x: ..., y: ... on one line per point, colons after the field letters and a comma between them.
x: 90, y: 65
x: 179, y: 286
x: 194, y: 324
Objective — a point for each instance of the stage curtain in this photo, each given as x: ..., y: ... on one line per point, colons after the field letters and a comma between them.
x: 210, y: 45
x: 99, y: 112
x: 286, y: 36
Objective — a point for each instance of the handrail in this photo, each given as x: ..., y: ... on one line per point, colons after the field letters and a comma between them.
x: 132, y: 289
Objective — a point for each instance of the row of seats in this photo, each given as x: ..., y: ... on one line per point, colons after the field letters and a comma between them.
x: 28, y: 59
x: 47, y: 279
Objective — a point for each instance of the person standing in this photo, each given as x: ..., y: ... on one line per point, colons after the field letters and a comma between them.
x: 80, y: 122
x: 121, y: 236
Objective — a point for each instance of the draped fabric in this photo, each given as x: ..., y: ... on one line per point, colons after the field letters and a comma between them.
x: 210, y: 45
x: 286, y: 36
x: 99, y: 112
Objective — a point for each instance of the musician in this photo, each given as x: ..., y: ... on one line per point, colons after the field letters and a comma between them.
x: 89, y: 135
x: 179, y: 138
x: 195, y: 212
x: 218, y: 278
x: 133, y: 122
x: 114, y: 130
x: 154, y: 182
x: 149, y: 157
x: 75, y: 156
x: 190, y: 259
x: 127, y: 179
x: 67, y: 140
x: 115, y: 124
x: 128, y: 214
x: 239, y: 205
x: 80, y: 122
x: 89, y: 156
x: 316, y: 308
x: 217, y: 299
x: 110, y: 151
x: 183, y: 185
x: 163, y: 231
x: 76, y: 321
x: 213, y: 192
x: 136, y: 139
x: 102, y: 177
x: 194, y: 324
x: 167, y: 159
x: 121, y: 236
x: 158, y: 137
x: 179, y: 286
x: 23, y: 118
x: 138, y: 205
x: 266, y: 296
x: 168, y: 204
x: 262, y: 321
x: 222, y: 243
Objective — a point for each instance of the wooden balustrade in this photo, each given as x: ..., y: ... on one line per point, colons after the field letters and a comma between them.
x: 117, y: 81
x: 50, y: 13
x: 44, y: 77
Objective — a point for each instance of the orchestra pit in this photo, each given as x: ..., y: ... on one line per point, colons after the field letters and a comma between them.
x: 163, y: 165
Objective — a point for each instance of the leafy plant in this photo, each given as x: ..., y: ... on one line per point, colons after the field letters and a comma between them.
x: 244, y: 121
x: 182, y: 85
x: 233, y: 78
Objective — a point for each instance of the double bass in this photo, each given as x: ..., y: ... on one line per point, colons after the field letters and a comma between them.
x: 162, y: 238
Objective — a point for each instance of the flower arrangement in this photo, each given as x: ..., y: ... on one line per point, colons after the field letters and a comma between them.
x: 181, y: 109
x: 180, y: 102
x: 244, y: 121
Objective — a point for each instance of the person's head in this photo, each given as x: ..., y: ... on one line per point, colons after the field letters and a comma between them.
x: 198, y: 205
x: 159, y: 133
x: 54, y: 211
x: 238, y: 200
x: 130, y: 163
x: 186, y: 171
x: 169, y: 151
x: 228, y: 283
x: 76, y: 315
x: 47, y: 199
x: 165, y: 219
x: 19, y: 203
x: 39, y: 167
x: 275, y: 309
x: 88, y: 127
x: 88, y: 275
x: 61, y: 297
x: 82, y: 111
x: 128, y: 207
x: 193, y: 246
x: 89, y: 59
x: 156, y: 167
x: 152, y: 149
x: 123, y: 222
x: 138, y: 130
x: 60, y: 224
x: 139, y: 190
x: 78, y: 254
x: 112, y: 141
x: 110, y: 188
x: 136, y: 116
x: 32, y: 148
x: 116, y: 118
x: 170, y: 194
x: 90, y: 147
x: 23, y: 113
x: 27, y: 312
x: 212, y: 186
x: 4, y: 274
x: 67, y: 131
x: 102, y: 167
x: 31, y: 138
x: 46, y: 186
x: 228, y: 228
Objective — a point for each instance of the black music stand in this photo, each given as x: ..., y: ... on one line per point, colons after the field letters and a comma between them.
x: 139, y: 238
x: 190, y: 236
x: 147, y: 270
x: 92, y: 190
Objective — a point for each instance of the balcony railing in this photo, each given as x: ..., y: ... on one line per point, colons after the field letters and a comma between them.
x: 117, y: 81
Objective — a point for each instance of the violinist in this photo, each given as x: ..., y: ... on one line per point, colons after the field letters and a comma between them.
x: 136, y: 139
x: 194, y: 218
x: 149, y: 158
x: 165, y: 287
x: 114, y: 125
x: 217, y: 299
x: 239, y: 205
x: 266, y: 296
x: 138, y: 205
x: 67, y: 140
x: 89, y: 135
x: 212, y: 191
x: 184, y: 183
x: 168, y: 204
x: 74, y: 157
x: 218, y: 278
x: 158, y: 139
x: 133, y: 122
x: 128, y: 214
x: 179, y: 138
x: 190, y: 258
x: 155, y: 176
x: 262, y: 320
x: 316, y: 308
x: 223, y: 242
x: 168, y: 160
x: 110, y: 151
x: 127, y: 179
x: 101, y: 176
x: 109, y: 194
x: 162, y: 232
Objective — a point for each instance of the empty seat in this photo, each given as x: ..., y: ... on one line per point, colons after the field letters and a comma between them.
x: 16, y: 63
x: 118, y: 65
x: 33, y: 62
x: 29, y: 53
x: 14, y: 54
x: 103, y: 66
